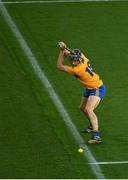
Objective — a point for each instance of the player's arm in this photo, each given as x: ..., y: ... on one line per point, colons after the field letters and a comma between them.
x: 60, y: 62
x: 62, y: 54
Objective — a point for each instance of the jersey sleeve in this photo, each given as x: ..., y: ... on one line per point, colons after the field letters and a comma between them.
x: 70, y: 70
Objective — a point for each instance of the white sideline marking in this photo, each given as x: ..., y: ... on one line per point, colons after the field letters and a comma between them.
x: 60, y: 1
x: 39, y: 72
x: 113, y: 162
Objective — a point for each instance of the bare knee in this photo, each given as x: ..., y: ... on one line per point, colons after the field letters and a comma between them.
x: 88, y: 110
x: 85, y: 109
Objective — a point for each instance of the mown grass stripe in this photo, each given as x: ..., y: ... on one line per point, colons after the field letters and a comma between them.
x: 39, y: 72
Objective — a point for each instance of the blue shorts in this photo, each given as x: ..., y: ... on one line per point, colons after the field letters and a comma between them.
x: 100, y: 92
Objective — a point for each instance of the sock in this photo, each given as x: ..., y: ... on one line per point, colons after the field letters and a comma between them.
x: 96, y: 133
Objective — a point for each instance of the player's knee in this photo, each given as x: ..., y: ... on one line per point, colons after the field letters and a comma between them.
x: 87, y: 110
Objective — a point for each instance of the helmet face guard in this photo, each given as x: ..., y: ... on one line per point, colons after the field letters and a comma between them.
x: 76, y: 56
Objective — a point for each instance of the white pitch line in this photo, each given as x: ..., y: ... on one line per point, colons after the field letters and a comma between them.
x: 111, y: 162
x: 60, y: 107
x: 59, y: 1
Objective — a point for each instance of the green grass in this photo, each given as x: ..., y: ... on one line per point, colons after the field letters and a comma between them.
x: 27, y: 136
x: 35, y: 142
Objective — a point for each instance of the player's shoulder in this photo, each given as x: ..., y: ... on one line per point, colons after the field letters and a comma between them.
x: 70, y: 70
x: 84, y: 59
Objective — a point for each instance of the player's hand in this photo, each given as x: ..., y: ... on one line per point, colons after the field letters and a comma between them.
x: 62, y: 45
x: 66, y: 52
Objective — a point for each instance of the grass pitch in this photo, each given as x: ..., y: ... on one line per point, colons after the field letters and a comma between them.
x: 35, y: 142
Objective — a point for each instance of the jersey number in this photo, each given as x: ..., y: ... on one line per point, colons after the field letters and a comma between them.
x: 89, y: 69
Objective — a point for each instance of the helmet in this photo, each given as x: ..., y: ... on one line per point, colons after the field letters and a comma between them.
x: 75, y: 55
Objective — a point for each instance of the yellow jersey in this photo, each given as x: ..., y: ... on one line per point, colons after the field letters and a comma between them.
x: 84, y: 72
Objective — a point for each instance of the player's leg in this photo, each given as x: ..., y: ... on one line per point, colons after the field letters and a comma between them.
x: 84, y: 100
x: 88, y: 105
x: 91, y: 104
x: 83, y: 104
x: 82, y: 108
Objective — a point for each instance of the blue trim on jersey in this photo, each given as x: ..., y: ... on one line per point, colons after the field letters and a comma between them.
x: 100, y: 92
